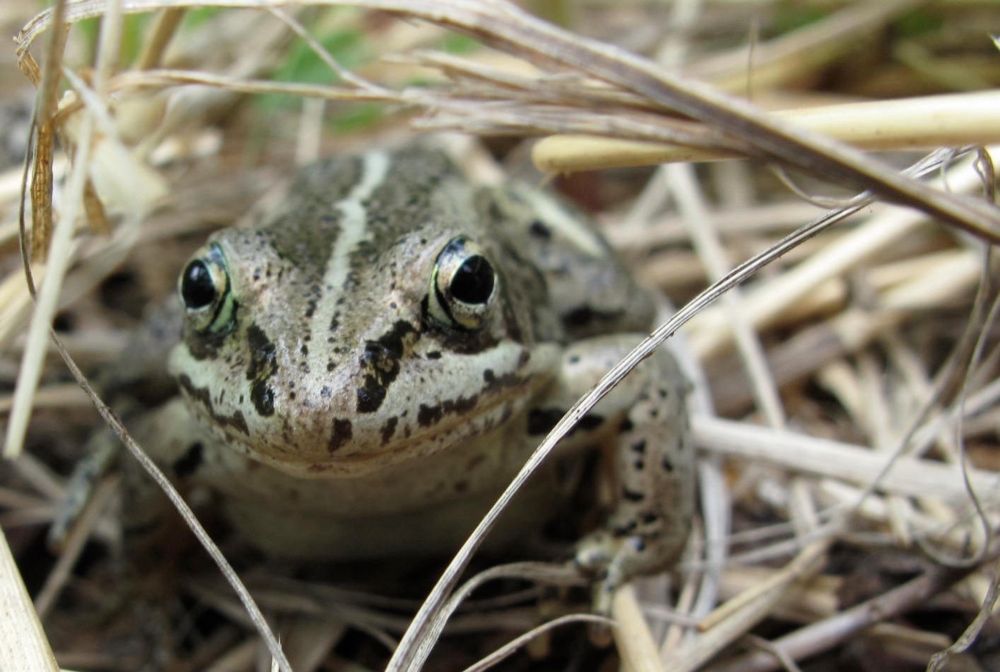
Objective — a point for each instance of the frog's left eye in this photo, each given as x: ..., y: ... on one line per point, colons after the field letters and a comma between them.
x: 204, y: 289
x: 463, y: 285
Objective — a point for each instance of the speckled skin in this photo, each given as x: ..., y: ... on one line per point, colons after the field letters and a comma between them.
x: 340, y: 416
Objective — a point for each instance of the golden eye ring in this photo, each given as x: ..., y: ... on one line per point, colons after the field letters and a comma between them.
x: 463, y: 285
x: 204, y: 289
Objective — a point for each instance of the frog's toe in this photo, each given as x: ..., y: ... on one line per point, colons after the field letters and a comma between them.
x: 612, y: 560
x: 605, y: 558
x: 595, y: 552
x: 102, y: 452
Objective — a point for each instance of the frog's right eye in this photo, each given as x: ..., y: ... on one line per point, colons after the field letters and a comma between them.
x: 204, y: 290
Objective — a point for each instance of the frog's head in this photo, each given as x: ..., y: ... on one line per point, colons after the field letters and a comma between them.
x: 373, y: 318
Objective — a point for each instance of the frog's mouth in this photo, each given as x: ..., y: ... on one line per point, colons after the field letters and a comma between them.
x: 433, y: 428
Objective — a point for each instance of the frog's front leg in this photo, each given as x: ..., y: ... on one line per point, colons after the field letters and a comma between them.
x: 167, y: 434
x: 172, y: 439
x: 654, y: 460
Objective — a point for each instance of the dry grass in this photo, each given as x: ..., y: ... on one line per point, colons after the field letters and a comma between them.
x: 846, y: 394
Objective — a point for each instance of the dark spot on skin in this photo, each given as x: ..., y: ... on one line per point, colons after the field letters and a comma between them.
x: 202, y: 396
x: 262, y: 353
x: 461, y: 404
x: 330, y: 366
x: 263, y: 365
x: 639, y: 544
x: 388, y: 429
x: 585, y: 316
x: 369, y: 400
x: 314, y: 295
x: 262, y: 396
x: 325, y: 392
x: 542, y: 420
x: 632, y: 495
x: 461, y: 486
x: 540, y: 230
x: 304, y: 350
x: 428, y: 415
x: 624, y: 530
x: 380, y: 363
x: 626, y: 425
x: 340, y: 435
x: 639, y: 465
x: 494, y: 383
x: 574, y: 359
x: 664, y: 393
x: 189, y: 462
x: 434, y: 354
x: 667, y: 464
x: 639, y: 446
x: 649, y: 518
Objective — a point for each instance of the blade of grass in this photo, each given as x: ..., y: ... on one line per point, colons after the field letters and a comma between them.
x: 504, y: 25
x: 22, y: 639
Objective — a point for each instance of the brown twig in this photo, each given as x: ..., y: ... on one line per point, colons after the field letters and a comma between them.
x: 829, y: 632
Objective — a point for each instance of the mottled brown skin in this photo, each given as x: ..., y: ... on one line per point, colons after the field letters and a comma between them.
x: 342, y: 411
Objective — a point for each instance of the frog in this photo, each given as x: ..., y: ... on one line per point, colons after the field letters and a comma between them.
x: 362, y: 369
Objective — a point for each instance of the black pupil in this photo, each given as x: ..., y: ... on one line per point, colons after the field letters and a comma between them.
x: 197, y: 288
x: 473, y: 281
